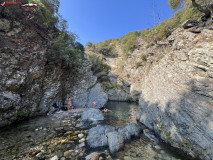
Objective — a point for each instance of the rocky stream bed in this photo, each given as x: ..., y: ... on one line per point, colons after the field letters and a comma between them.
x: 58, y: 137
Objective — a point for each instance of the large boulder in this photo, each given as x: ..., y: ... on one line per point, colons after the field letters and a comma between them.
x: 115, y: 141
x: 86, y: 99
x: 91, y: 117
x: 96, y: 136
x: 113, y: 137
x: 129, y: 131
x: 98, y: 95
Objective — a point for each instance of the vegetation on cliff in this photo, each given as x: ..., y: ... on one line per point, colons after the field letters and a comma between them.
x: 130, y: 41
x: 63, y: 48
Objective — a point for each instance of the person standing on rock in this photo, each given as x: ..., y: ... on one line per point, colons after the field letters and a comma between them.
x: 69, y: 104
x: 94, y: 103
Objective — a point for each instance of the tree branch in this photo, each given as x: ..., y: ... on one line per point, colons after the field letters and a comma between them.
x: 202, y: 9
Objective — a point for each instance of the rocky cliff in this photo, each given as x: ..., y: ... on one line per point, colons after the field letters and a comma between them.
x: 177, y: 94
x: 29, y: 84
x: 174, y: 81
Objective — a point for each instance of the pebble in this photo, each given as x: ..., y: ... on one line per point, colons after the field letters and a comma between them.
x: 54, y: 158
x: 68, y: 153
x: 92, y: 156
x: 59, y: 128
x: 157, y: 147
x: 76, y: 132
x: 82, y: 145
x: 127, y: 158
x: 80, y: 135
x: 39, y: 154
x: 63, y: 158
x: 81, y: 140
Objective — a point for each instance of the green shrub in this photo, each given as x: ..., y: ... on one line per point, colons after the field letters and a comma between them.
x: 99, y: 67
x: 106, y: 48
x: 160, y: 126
x: 130, y: 99
x: 109, y: 86
x: 168, y: 134
x: 63, y: 49
x: 129, y: 41
x: 138, y: 64
x: 143, y: 57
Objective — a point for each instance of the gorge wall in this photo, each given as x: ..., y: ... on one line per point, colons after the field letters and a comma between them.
x: 29, y: 85
x: 175, y: 86
x: 177, y: 94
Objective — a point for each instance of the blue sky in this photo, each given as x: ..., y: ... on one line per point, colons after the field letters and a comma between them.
x: 97, y: 20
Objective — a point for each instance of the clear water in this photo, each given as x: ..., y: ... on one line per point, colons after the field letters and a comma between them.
x: 18, y: 140
x: 121, y: 113
x: 142, y: 148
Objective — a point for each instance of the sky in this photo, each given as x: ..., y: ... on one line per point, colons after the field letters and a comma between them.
x: 98, y: 20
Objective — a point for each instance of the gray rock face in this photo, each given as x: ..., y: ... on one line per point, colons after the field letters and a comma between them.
x: 120, y: 93
x: 91, y: 117
x: 177, y: 103
x: 98, y: 95
x: 114, y: 137
x: 4, y: 25
x: 86, y: 99
x: 30, y: 85
x: 190, y: 23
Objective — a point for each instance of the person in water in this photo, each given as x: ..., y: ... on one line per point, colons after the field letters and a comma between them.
x: 105, y: 110
x: 94, y: 103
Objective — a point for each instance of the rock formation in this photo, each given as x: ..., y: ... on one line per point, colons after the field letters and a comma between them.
x: 29, y: 85
x: 175, y: 86
x: 177, y: 94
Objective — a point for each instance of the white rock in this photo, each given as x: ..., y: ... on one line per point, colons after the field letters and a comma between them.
x: 80, y: 135
x: 54, y: 158
x: 82, y: 145
x: 81, y: 140
x: 39, y: 154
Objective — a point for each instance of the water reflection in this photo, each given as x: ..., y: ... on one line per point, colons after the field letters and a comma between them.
x: 122, y: 113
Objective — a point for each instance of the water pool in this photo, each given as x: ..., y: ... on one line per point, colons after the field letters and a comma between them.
x: 142, y: 148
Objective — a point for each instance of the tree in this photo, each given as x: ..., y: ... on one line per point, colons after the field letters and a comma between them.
x: 174, y: 4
